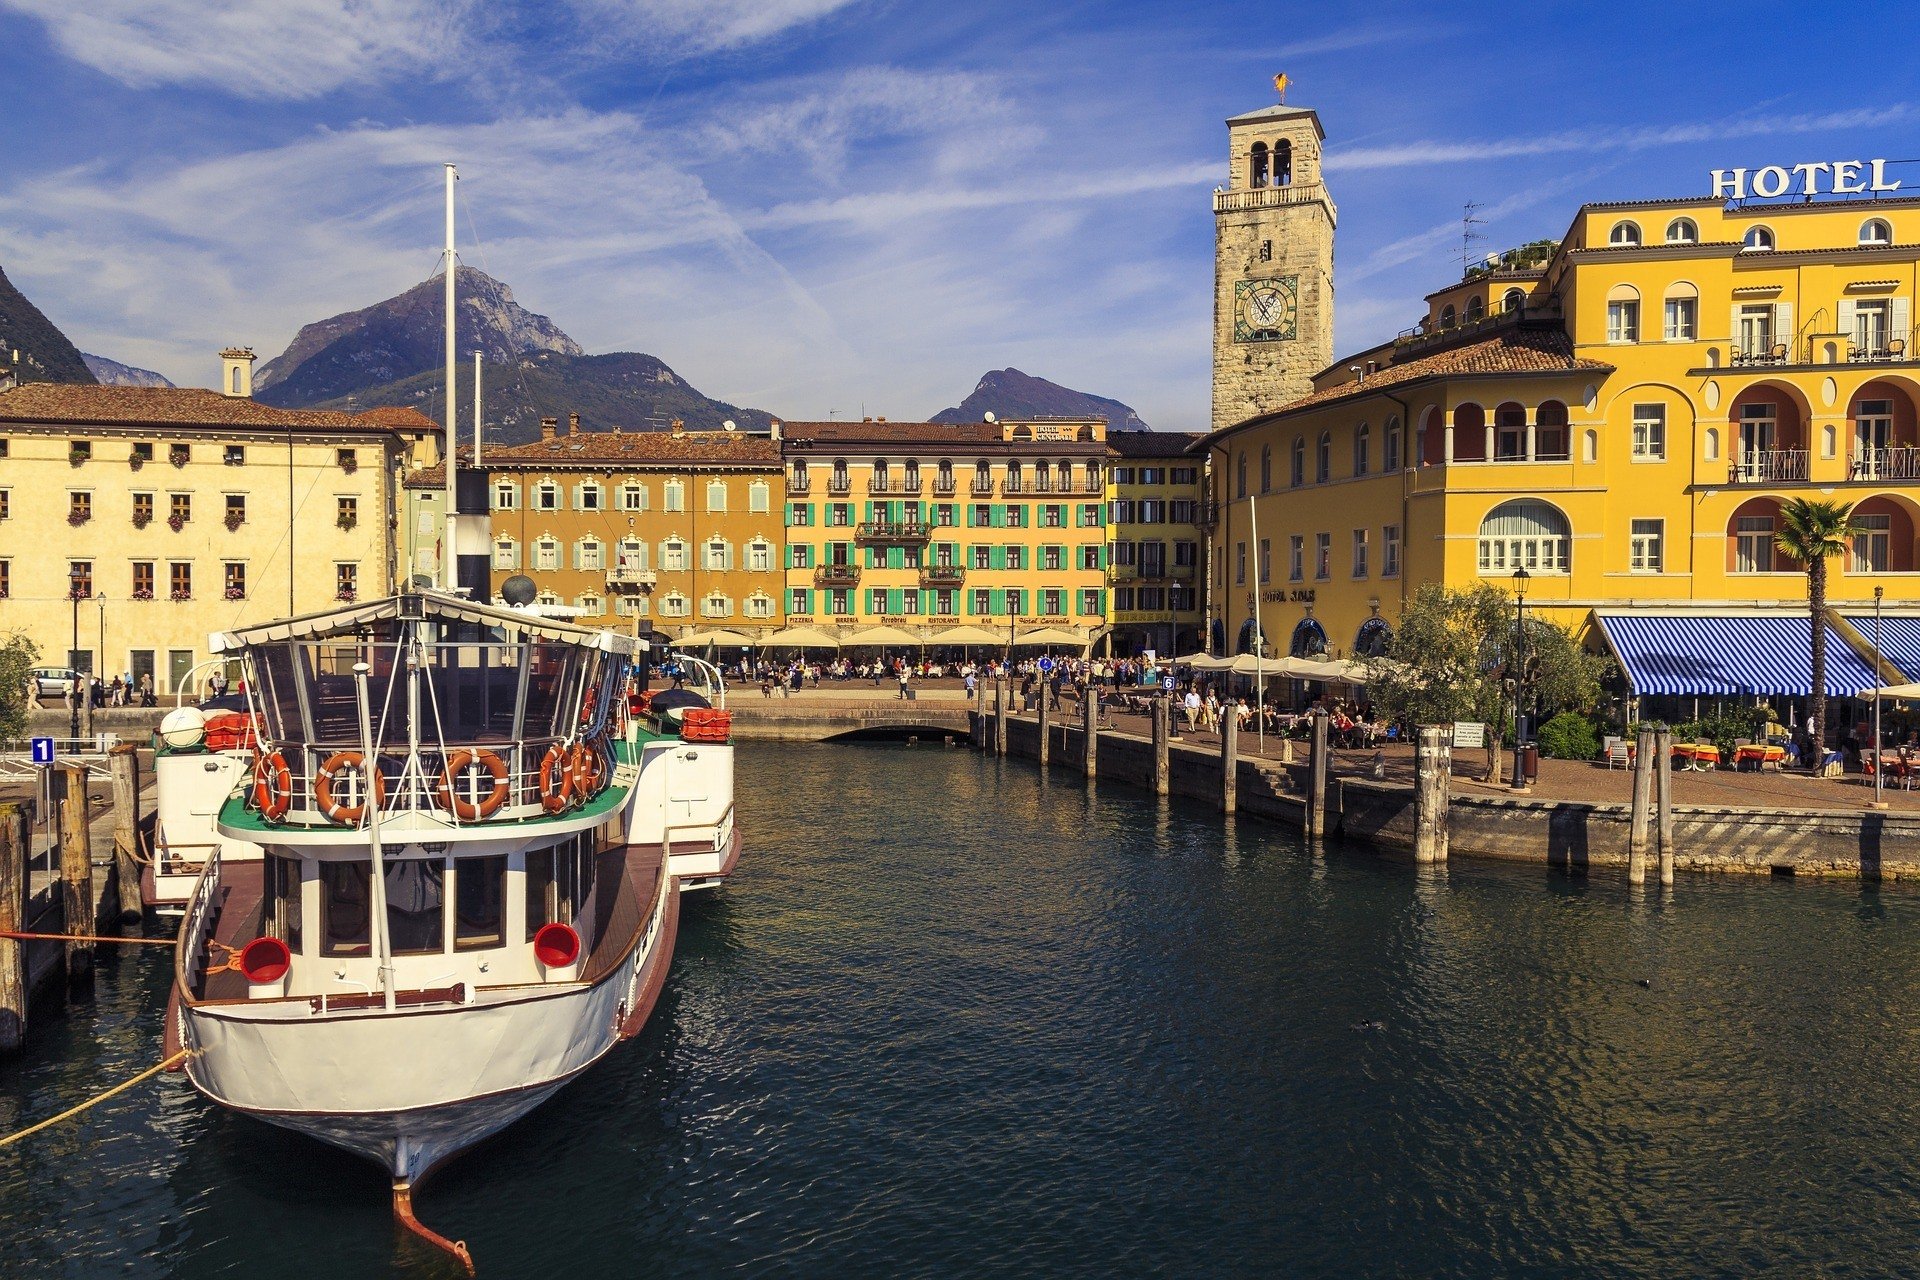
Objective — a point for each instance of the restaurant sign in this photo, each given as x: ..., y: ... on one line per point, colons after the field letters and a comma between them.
x: 1816, y: 177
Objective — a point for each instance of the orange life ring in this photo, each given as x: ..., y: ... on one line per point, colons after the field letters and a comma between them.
x: 347, y: 814
x: 272, y: 785
x: 458, y: 763
x: 556, y: 780
x: 587, y: 770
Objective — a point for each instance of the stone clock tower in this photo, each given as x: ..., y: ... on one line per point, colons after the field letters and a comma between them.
x: 1272, y: 265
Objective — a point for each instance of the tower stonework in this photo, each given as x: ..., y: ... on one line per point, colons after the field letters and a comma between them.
x: 1272, y: 265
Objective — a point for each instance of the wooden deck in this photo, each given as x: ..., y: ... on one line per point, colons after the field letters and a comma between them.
x: 239, y: 917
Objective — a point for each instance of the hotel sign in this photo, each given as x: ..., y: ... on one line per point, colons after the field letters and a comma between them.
x: 1817, y: 177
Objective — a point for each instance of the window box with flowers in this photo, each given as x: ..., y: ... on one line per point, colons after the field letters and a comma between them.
x: 349, y: 461
x: 178, y: 455
x: 76, y: 456
x: 78, y: 518
x: 176, y: 522
x: 346, y: 595
x: 236, y: 593
x: 235, y: 519
x: 79, y: 593
x: 136, y: 461
x: 180, y: 593
x: 346, y: 521
x: 143, y: 593
x: 141, y: 519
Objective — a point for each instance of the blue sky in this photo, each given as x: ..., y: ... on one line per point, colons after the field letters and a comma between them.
x: 830, y: 206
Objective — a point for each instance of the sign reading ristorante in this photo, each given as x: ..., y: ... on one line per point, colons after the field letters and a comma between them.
x: 1816, y: 177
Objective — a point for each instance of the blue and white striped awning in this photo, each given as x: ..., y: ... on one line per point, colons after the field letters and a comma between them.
x: 1727, y: 654
x: 1899, y: 640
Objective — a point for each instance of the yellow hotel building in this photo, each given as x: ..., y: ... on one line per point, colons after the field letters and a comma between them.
x: 926, y: 527
x: 1620, y: 412
x: 1156, y: 491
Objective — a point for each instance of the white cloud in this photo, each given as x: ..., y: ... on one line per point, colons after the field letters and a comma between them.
x: 290, y: 49
x: 700, y: 26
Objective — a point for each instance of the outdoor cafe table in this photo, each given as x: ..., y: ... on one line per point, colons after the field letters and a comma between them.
x: 1757, y: 756
x: 1700, y: 756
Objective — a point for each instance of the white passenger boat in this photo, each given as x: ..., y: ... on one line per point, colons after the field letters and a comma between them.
x: 464, y: 895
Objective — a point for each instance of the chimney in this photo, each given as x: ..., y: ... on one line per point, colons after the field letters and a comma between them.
x: 236, y: 373
x: 546, y: 427
x: 573, y: 424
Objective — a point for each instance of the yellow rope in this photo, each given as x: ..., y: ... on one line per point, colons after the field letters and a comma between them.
x: 97, y: 1099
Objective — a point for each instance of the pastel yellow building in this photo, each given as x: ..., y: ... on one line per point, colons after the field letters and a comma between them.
x: 927, y: 527
x: 1156, y: 490
x: 136, y: 521
x: 1620, y: 413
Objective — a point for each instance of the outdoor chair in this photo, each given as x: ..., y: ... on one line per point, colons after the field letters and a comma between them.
x: 1778, y: 355
x: 1617, y: 754
x: 1897, y: 349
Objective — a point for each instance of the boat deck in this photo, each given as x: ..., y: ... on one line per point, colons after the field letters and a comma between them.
x: 239, y: 917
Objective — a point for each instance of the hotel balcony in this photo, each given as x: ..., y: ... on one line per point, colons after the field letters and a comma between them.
x: 840, y: 484
x: 837, y: 575
x: 1900, y: 462
x: 943, y: 486
x: 1769, y: 466
x: 942, y: 575
x: 892, y: 531
x: 799, y: 484
x: 622, y: 577
x: 1014, y: 484
x: 982, y: 487
x: 1122, y: 573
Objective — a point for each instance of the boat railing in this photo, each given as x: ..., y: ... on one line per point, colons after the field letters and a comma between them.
x: 190, y: 957
x: 722, y: 828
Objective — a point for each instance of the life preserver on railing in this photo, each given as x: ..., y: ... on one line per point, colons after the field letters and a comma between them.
x: 458, y: 763
x: 374, y: 787
x: 556, y: 780
x: 587, y: 769
x: 272, y: 785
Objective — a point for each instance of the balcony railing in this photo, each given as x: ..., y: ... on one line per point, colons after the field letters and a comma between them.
x: 621, y: 577
x: 892, y: 531
x: 837, y: 575
x: 909, y: 483
x: 942, y: 575
x: 1122, y: 573
x: 1899, y: 462
x: 1769, y: 466
x: 1013, y: 484
x: 1267, y: 197
x: 840, y: 483
x: 982, y: 486
x: 944, y: 485
x: 799, y: 484
x: 880, y: 482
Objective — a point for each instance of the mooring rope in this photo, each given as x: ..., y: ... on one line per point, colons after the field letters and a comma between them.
x: 165, y: 1065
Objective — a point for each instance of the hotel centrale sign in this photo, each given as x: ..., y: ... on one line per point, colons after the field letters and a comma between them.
x: 1814, y: 178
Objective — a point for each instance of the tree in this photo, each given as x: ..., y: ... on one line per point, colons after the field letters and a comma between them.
x: 1450, y: 660
x: 17, y: 656
x: 1812, y: 532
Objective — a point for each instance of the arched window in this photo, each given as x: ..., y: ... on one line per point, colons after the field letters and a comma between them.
x: 1309, y: 639
x: 1283, y: 163
x: 1513, y: 300
x: 1394, y: 456
x: 1625, y: 234
x: 1680, y: 312
x: 1683, y: 231
x: 1758, y: 240
x: 1524, y: 534
x: 1323, y: 458
x: 1373, y: 640
x: 1550, y: 441
x: 1623, y: 314
x: 1447, y: 316
x: 1257, y: 170
x: 1299, y: 461
x: 1475, y: 308
x: 1363, y: 450
x: 1266, y: 468
x: 1876, y: 233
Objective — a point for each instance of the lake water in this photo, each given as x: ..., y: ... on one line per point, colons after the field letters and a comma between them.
x: 955, y: 1019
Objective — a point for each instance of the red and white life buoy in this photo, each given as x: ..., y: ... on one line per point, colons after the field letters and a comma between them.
x: 373, y: 787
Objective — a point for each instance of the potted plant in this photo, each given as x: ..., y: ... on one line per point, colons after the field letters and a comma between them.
x: 76, y: 455
x: 345, y: 595
x: 176, y: 522
x: 143, y: 593
x: 349, y: 464
x: 177, y: 455
x: 136, y: 461
x: 180, y: 593
x: 347, y: 522
x: 141, y: 519
x: 236, y: 593
x: 235, y: 520
x: 78, y: 518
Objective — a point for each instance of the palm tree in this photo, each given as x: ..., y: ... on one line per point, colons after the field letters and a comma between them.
x: 1812, y: 532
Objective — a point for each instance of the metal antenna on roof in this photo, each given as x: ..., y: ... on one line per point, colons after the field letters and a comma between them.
x: 1468, y: 236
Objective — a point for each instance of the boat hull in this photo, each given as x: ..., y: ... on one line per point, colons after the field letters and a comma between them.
x: 705, y: 868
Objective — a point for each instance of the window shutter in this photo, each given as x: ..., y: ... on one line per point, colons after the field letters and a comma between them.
x: 996, y: 557
x: 790, y: 514
x: 1847, y: 309
x: 1897, y: 321
x: 726, y: 557
x: 896, y: 604
x: 1733, y: 329
x: 1783, y: 325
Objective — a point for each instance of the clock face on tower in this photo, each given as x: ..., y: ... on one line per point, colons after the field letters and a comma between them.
x: 1266, y: 310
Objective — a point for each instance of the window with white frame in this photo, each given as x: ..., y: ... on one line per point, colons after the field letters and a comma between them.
x: 675, y: 605
x: 1753, y: 544
x: 1359, y: 553
x: 506, y: 495
x: 1683, y: 231
x: 716, y: 495
x: 1390, y: 551
x: 506, y: 553
x: 1266, y: 559
x: 1753, y: 329
x: 1876, y: 233
x: 1872, y: 543
x: 759, y: 497
x: 759, y: 555
x: 1623, y: 315
x: 1649, y: 431
x: 631, y: 555
x: 673, y: 555
x: 1757, y: 240
x: 592, y: 553
x: 632, y: 606
x: 546, y: 496
x: 674, y: 495
x: 1323, y: 458
x: 1363, y: 450
x: 546, y: 553
x: 632, y: 496
x: 716, y: 606
x: 1682, y: 318
x: 591, y: 605
x: 1524, y: 534
x: 1624, y: 234
x: 1322, y: 556
x: 589, y: 496
x: 1297, y: 558
x: 1392, y: 446
x: 759, y: 605
x: 1647, y: 546
x: 717, y: 554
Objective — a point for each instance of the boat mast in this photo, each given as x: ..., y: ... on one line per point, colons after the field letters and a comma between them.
x: 476, y: 408
x: 377, y: 886
x: 448, y: 578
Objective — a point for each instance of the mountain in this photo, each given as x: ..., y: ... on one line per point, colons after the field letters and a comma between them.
x: 394, y: 340
x: 625, y: 389
x: 111, y: 373
x: 45, y: 353
x: 1009, y: 393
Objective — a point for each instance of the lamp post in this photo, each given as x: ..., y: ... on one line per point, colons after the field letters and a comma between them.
x: 1519, y: 664
x: 1879, y: 743
x: 75, y: 578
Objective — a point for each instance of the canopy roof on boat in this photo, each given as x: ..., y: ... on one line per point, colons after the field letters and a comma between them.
x: 349, y: 618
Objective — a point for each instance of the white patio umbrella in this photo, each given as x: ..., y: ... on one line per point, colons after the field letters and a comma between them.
x: 803, y: 638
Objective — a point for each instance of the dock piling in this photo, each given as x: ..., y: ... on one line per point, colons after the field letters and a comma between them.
x: 1229, y: 760
x: 1090, y: 711
x: 1663, y: 802
x: 16, y: 835
x: 1432, y: 789
x: 1317, y: 770
x: 1000, y: 701
x: 76, y: 874
x: 1040, y: 743
x: 1641, y: 809
x: 124, y: 760
x: 1162, y: 733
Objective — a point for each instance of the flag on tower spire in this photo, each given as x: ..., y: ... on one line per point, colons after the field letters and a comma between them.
x: 1280, y: 86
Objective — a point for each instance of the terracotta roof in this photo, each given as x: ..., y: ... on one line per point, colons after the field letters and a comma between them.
x: 983, y: 437
x: 601, y: 450
x: 1667, y: 202
x: 1151, y: 444
x: 1520, y: 350
x: 66, y: 403
x: 400, y: 417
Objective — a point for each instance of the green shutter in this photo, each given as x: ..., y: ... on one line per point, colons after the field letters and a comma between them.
x: 896, y: 604
x: 996, y: 557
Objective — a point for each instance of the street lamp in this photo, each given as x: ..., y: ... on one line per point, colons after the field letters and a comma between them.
x: 76, y: 578
x: 1518, y: 663
x: 1879, y: 743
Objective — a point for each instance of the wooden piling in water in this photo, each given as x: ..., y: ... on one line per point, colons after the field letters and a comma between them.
x: 1663, y: 802
x: 1315, y: 820
x: 16, y: 835
x: 1090, y: 714
x: 124, y: 760
x: 1229, y: 760
x: 1162, y: 734
x: 1641, y: 809
x: 76, y: 873
x: 1041, y: 745
x: 1432, y: 791
x: 1001, y: 699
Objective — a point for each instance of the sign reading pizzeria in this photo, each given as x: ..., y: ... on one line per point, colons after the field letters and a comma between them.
x: 1816, y: 177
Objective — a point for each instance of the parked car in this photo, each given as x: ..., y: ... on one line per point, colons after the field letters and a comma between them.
x: 53, y: 682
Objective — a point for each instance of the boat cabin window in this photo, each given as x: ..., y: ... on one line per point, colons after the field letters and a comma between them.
x: 558, y: 881
x: 479, y: 917
x: 345, y: 908
x: 283, y: 901
x: 416, y: 905
x: 543, y: 892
